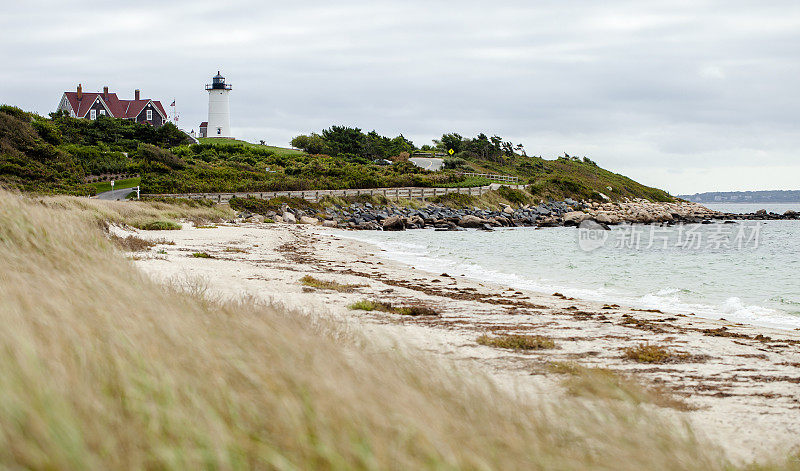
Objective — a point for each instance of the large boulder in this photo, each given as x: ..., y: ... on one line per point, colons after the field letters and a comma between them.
x: 548, y: 221
x: 330, y: 223
x: 604, y: 217
x: 415, y: 221
x: 471, y: 221
x: 573, y: 218
x: 289, y: 218
x: 508, y: 210
x: 309, y: 220
x: 394, y: 223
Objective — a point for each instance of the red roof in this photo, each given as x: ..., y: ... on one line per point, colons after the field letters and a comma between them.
x: 116, y: 107
x: 204, y: 124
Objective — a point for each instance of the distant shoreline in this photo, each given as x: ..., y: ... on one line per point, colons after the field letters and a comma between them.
x: 755, y: 197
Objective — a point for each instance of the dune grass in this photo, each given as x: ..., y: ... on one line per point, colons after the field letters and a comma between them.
x: 610, y: 385
x: 139, y: 214
x: 517, y: 342
x: 647, y: 353
x: 312, y: 282
x: 412, y: 310
x: 112, y: 371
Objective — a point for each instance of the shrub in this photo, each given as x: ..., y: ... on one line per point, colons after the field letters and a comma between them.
x: 457, y: 200
x: 201, y: 255
x: 152, y: 154
x: 513, y: 196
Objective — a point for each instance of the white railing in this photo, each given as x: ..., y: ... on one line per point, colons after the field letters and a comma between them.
x: 493, y: 176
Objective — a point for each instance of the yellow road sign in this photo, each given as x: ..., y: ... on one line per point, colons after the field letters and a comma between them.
x: 451, y: 152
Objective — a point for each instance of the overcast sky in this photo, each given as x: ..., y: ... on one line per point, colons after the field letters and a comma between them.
x: 688, y: 96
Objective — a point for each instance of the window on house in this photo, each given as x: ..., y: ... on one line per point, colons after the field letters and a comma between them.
x: 93, y: 114
x: 219, y: 130
x: 149, y: 115
x: 102, y: 112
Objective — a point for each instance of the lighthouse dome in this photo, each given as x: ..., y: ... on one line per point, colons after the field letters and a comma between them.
x: 218, y: 83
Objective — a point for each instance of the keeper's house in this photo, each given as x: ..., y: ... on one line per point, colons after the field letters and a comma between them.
x: 90, y: 105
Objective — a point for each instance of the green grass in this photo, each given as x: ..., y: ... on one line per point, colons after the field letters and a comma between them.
x: 517, y: 342
x: 312, y: 282
x: 364, y: 305
x: 469, y: 182
x: 222, y: 142
x: 413, y: 310
x: 201, y: 255
x: 102, y: 187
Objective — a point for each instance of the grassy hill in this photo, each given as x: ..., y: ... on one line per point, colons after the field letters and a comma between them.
x: 54, y: 155
x: 284, y: 151
x: 562, y: 177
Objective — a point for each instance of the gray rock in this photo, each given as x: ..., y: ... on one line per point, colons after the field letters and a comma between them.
x: 289, y: 218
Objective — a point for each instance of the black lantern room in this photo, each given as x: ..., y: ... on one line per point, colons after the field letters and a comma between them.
x: 218, y: 83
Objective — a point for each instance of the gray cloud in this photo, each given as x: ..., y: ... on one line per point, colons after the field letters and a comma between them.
x: 685, y: 95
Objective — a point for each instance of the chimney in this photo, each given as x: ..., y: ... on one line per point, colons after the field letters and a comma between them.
x: 105, y: 92
x: 80, y: 92
x: 136, y: 94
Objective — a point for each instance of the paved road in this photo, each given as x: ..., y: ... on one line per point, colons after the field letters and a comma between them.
x: 115, y: 195
x: 428, y: 163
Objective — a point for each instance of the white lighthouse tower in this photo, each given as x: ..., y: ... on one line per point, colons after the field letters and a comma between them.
x: 219, y: 110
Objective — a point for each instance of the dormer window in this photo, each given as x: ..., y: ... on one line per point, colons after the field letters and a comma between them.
x: 149, y: 115
x: 93, y: 114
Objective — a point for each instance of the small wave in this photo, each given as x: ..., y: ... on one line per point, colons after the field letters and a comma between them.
x: 666, y: 299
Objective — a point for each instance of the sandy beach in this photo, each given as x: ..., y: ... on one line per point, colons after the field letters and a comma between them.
x: 737, y: 385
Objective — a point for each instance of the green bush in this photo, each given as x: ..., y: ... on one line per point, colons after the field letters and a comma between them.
x: 456, y: 200
x: 513, y: 196
x: 158, y: 226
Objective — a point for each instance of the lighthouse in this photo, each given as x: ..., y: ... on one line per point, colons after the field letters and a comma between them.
x: 219, y: 110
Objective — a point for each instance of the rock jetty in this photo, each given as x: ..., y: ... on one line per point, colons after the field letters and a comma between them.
x: 365, y: 216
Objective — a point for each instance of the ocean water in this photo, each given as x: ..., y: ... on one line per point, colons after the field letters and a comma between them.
x: 743, y: 208
x: 744, y: 272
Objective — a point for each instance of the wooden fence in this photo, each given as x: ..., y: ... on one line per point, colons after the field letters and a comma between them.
x: 316, y: 195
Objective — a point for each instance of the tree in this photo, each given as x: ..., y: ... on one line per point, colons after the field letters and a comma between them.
x: 344, y: 140
x: 451, y: 141
x: 313, y: 144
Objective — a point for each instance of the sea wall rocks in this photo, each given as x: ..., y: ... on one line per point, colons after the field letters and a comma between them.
x: 556, y: 213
